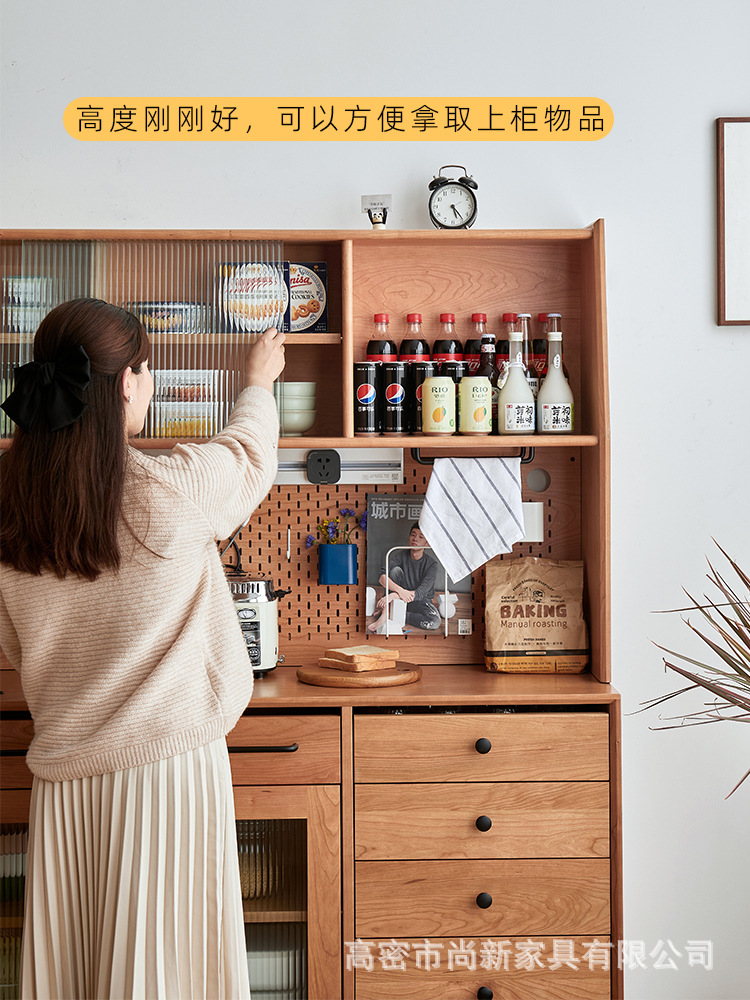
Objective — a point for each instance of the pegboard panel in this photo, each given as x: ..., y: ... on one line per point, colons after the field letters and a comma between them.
x: 314, y: 617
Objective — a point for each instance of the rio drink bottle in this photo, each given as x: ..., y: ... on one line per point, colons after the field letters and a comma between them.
x: 475, y: 404
x: 421, y: 370
x: 438, y: 405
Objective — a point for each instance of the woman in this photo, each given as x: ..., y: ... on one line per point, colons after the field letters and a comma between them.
x: 411, y: 577
x: 115, y: 611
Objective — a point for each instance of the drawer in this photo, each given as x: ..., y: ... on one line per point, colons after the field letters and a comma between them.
x: 285, y: 750
x: 482, y: 746
x: 11, y: 692
x: 14, y: 773
x: 15, y: 736
x: 536, y: 819
x: 15, y: 733
x: 447, y: 969
x: 441, y: 898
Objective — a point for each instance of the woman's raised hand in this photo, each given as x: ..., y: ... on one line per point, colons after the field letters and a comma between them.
x: 264, y: 360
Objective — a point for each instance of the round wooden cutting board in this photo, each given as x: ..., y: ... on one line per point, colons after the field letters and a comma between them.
x: 404, y: 673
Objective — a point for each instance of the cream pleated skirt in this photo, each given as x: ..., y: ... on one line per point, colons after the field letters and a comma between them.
x: 133, y: 886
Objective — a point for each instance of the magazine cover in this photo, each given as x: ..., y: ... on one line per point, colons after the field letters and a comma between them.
x: 421, y: 596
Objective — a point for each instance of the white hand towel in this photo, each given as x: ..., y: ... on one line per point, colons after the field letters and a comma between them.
x: 472, y: 511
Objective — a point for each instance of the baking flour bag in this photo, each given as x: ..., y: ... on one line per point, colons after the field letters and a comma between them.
x: 534, y: 616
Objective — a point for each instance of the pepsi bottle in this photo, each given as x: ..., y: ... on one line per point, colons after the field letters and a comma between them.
x: 381, y: 347
x: 447, y: 348
x: 413, y: 347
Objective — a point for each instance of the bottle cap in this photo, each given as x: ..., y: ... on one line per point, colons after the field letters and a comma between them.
x: 524, y: 315
x: 414, y: 317
x: 479, y: 317
x: 382, y: 318
x: 509, y: 317
x: 447, y: 318
x: 542, y: 317
x: 557, y: 315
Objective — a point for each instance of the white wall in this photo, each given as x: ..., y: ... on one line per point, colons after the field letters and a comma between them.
x: 679, y: 408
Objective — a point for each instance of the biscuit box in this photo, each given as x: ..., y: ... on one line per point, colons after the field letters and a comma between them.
x: 253, y: 296
x: 308, y: 293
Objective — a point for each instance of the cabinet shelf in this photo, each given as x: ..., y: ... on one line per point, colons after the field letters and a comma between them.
x: 467, y: 445
x: 252, y: 914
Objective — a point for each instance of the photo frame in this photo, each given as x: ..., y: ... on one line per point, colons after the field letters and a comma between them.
x: 733, y: 229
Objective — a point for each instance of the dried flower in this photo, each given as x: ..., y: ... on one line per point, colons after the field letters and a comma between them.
x: 338, y: 530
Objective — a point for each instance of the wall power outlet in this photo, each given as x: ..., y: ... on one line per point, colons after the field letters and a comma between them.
x: 323, y: 466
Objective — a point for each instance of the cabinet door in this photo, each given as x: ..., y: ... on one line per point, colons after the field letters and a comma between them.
x: 293, y: 914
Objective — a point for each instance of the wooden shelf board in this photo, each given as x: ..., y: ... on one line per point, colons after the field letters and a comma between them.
x: 299, y: 236
x: 274, y: 916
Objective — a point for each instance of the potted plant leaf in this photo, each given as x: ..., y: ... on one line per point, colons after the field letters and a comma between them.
x: 724, y: 626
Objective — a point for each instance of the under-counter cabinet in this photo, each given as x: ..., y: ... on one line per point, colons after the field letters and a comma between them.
x: 286, y: 774
x: 482, y: 846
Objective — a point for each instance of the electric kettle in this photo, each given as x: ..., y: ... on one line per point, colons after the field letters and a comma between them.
x: 256, y: 603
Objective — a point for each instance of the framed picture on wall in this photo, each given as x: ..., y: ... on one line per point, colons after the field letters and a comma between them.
x: 733, y: 176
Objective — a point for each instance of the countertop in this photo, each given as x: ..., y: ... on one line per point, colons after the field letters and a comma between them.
x: 441, y: 684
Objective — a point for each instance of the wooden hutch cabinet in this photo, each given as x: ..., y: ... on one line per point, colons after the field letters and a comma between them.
x: 457, y: 837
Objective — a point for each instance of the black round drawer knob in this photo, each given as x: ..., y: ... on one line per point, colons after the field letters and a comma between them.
x: 484, y: 993
x: 483, y: 823
x: 484, y: 900
x: 483, y: 745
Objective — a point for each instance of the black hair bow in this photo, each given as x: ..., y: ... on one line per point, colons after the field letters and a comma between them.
x: 48, y: 386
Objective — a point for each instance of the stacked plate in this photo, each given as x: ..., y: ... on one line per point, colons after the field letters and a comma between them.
x: 296, y: 403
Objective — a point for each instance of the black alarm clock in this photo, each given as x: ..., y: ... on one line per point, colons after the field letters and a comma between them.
x: 452, y: 202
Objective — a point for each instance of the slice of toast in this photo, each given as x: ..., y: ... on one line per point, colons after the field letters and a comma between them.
x: 359, y: 664
x: 351, y: 653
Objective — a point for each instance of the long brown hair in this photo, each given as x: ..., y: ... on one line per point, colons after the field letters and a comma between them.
x: 61, y: 491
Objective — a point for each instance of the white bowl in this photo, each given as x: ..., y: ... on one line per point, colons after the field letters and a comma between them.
x: 296, y: 422
x: 295, y: 390
x: 288, y: 402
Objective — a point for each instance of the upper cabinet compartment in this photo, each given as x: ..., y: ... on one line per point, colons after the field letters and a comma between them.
x: 492, y: 273
x: 201, y: 300
x: 203, y: 296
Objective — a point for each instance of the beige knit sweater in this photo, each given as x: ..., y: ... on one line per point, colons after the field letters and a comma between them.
x: 147, y: 662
